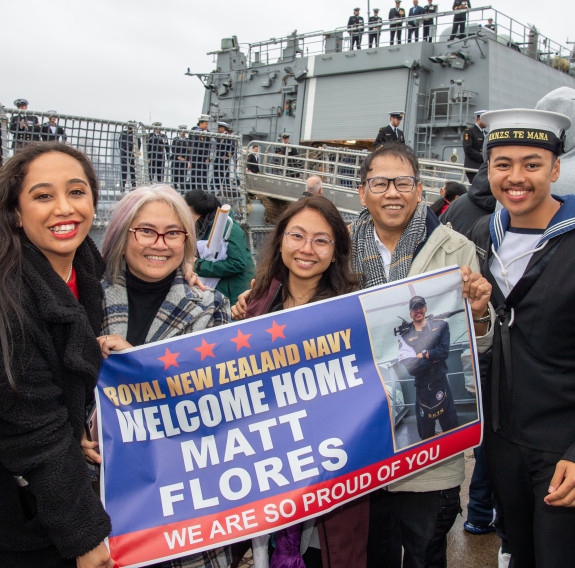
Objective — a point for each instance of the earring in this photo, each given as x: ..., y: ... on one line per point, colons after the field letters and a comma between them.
x: 95, y: 215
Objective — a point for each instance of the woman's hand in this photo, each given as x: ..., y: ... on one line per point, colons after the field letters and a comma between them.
x: 99, y: 557
x: 109, y: 343
x: 90, y: 449
x: 192, y: 278
x: 240, y: 308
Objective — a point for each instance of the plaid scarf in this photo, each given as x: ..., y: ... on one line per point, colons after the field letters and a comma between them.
x: 367, y: 261
x: 183, y: 310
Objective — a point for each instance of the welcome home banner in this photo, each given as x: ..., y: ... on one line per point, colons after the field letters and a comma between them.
x: 214, y: 437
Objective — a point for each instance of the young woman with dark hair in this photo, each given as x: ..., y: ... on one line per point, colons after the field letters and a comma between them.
x: 50, y: 315
x: 307, y: 259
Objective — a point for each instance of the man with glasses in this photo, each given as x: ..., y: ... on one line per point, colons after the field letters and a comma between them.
x: 396, y: 236
x: 423, y: 351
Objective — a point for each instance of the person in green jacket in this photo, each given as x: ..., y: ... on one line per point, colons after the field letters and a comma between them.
x: 237, y: 270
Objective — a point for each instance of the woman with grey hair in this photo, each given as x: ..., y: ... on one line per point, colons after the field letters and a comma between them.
x: 149, y: 240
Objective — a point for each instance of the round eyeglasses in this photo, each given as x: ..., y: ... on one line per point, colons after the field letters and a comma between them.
x: 320, y: 245
x: 403, y: 184
x: 148, y: 237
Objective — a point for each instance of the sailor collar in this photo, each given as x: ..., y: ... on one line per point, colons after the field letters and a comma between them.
x: 562, y: 222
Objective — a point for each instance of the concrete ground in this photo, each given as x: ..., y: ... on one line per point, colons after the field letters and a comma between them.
x: 463, y: 549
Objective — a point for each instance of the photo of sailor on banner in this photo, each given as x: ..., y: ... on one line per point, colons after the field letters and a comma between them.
x: 241, y: 430
x: 421, y: 345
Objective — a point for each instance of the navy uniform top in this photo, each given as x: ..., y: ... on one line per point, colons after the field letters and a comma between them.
x: 355, y: 25
x: 396, y: 14
x: 386, y: 135
x: 434, y: 339
x: 428, y: 10
x: 473, y: 139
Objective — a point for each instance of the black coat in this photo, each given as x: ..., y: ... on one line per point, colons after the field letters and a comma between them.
x: 537, y: 403
x: 386, y: 135
x: 464, y: 212
x: 253, y: 164
x: 396, y: 14
x: 55, y: 362
x: 158, y: 147
x: 430, y: 10
x: 49, y: 136
x: 25, y: 128
x: 473, y: 139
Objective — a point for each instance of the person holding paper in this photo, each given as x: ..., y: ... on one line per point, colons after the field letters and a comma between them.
x: 233, y: 266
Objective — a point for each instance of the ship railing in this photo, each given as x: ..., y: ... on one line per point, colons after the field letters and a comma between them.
x: 504, y: 30
x: 284, y: 169
x: 129, y: 154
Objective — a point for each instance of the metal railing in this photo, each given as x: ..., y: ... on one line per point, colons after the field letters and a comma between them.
x: 128, y: 154
x: 503, y: 29
x: 337, y: 167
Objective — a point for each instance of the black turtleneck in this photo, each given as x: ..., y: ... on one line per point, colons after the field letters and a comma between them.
x: 144, y: 301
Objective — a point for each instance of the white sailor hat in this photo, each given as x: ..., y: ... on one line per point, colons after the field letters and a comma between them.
x: 20, y: 102
x: 157, y: 124
x: 480, y: 112
x: 182, y: 127
x: 376, y: 9
x: 224, y: 124
x: 204, y: 118
x: 526, y: 127
x: 397, y: 114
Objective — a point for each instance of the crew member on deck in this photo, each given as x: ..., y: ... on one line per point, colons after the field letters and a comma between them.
x: 391, y: 132
x: 355, y: 28
x: 396, y: 14
x: 413, y: 24
x: 51, y: 131
x: 428, y: 21
x: 473, y: 139
x: 24, y: 127
x: 374, y: 27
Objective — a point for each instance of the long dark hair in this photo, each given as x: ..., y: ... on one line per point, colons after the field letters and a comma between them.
x: 12, y: 176
x: 336, y: 280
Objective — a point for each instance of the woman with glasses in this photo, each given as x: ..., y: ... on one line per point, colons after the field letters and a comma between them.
x: 149, y: 239
x: 307, y: 259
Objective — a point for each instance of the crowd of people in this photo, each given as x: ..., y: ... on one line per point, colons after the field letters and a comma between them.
x: 416, y: 18
x: 64, y: 306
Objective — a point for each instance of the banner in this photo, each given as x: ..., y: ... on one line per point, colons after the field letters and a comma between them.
x: 242, y: 429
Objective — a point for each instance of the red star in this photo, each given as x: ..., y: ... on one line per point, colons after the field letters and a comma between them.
x: 205, y: 349
x: 276, y: 331
x: 241, y: 340
x: 169, y: 359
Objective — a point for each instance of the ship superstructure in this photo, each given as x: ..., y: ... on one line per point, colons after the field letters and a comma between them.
x: 320, y: 92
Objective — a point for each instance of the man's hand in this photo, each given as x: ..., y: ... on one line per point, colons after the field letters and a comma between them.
x: 477, y: 290
x: 562, y: 486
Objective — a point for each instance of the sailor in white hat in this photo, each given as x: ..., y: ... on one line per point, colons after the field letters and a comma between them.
x: 391, y: 133
x: 473, y: 140
x: 526, y: 252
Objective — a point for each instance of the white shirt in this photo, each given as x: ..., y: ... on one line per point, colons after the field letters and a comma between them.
x: 511, y: 259
x: 384, y: 252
